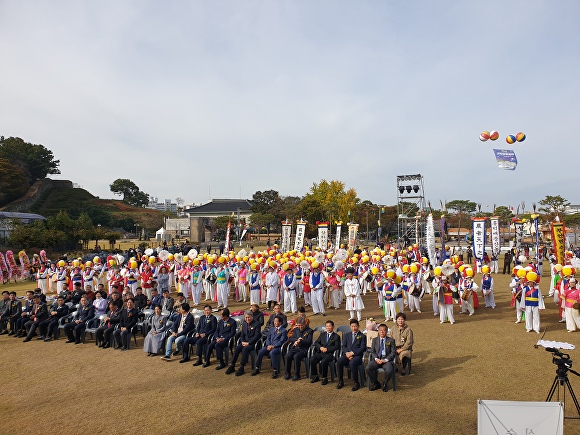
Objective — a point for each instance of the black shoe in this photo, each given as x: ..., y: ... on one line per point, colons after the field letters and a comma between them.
x: 11, y: 333
x: 385, y: 387
x: 240, y: 371
x: 166, y: 358
x: 275, y: 374
x: 206, y: 364
x: 69, y: 341
x: 339, y: 385
x: 176, y: 353
x: 220, y: 366
x: 197, y: 363
x: 78, y: 342
x: 124, y: 349
x: 324, y: 381
x: 103, y: 345
x: 287, y: 376
x: 26, y: 339
x: 374, y: 386
x: 314, y: 379
x: 256, y: 372
x: 48, y: 339
x: 355, y: 387
x: 296, y: 377
x: 183, y: 360
x: 230, y: 370
x: 4, y: 332
x: 40, y: 337
x: 106, y: 346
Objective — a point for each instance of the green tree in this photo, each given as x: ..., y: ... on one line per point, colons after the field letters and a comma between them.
x: 553, y: 206
x: 36, y: 160
x: 130, y: 192
x: 13, y: 181
x: 261, y: 220
x: 267, y: 202
x: 462, y: 206
x: 330, y: 200
x: 504, y: 213
x: 28, y: 236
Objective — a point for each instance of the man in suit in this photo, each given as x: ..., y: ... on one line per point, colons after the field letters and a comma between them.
x: 85, y: 313
x: 183, y: 325
x: 39, y: 314
x: 206, y: 326
x: 226, y: 329
x: 128, y: 319
x: 24, y: 314
x: 167, y: 302
x: 12, y: 313
x: 300, y: 342
x: 270, y: 322
x: 383, y: 354
x: 57, y: 312
x: 277, y: 336
x: 324, y: 347
x: 250, y: 336
x: 354, y: 345
x: 4, y: 303
x: 104, y: 332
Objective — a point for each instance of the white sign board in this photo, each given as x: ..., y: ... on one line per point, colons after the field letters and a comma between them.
x: 519, y: 418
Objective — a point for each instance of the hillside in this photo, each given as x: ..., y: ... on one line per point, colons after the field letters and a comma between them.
x: 109, y: 213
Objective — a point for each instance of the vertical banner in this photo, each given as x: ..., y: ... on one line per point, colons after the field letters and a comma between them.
x: 322, y: 235
x: 337, y: 243
x: 228, y: 231
x: 478, y: 237
x: 286, y: 234
x: 352, y: 230
x: 559, y: 241
x: 300, y: 230
x: 430, y: 240
x: 442, y: 255
x: 537, y: 230
x: 519, y: 232
x: 495, y: 236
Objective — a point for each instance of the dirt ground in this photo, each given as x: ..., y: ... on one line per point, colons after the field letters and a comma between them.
x: 84, y: 389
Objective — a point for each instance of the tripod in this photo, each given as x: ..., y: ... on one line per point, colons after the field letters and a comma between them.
x: 561, y: 381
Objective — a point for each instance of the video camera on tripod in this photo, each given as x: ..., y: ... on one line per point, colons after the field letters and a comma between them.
x: 562, y: 360
x: 564, y: 364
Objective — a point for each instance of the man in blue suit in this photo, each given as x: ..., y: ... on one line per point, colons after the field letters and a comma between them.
x: 277, y: 336
x: 206, y: 326
x: 354, y: 345
x: 178, y: 331
x: 226, y: 329
x: 300, y: 342
x: 79, y: 323
x: 251, y: 334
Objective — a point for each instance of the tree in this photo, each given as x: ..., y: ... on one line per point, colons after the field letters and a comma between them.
x: 461, y: 206
x: 553, y: 206
x: 267, y: 202
x: 333, y: 201
x: 504, y: 213
x: 36, y: 160
x: 13, y: 181
x: 260, y: 220
x: 130, y: 192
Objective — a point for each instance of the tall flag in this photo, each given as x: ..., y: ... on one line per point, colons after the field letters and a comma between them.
x: 537, y: 229
x: 352, y: 231
x: 300, y: 231
x: 559, y: 241
x: 322, y: 235
x: 443, y: 252
x: 337, y: 243
x: 519, y: 231
x: 430, y: 240
x: 244, y: 231
x: 228, y: 231
x: 286, y: 234
x: 478, y: 237
x: 495, y: 236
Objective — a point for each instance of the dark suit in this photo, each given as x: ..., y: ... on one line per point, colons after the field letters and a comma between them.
x: 225, y: 331
x: 300, y: 342
x: 270, y: 323
x: 38, y: 314
x: 22, y: 319
x: 103, y: 334
x: 331, y: 345
x: 251, y: 334
x: 79, y: 323
x: 167, y: 304
x: 276, y: 339
x: 205, y: 326
x: 358, y: 346
x: 47, y: 327
x: 12, y: 313
x: 389, y: 353
x: 188, y: 326
x: 128, y: 319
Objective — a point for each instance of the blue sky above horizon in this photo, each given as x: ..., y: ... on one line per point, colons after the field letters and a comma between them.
x: 192, y: 99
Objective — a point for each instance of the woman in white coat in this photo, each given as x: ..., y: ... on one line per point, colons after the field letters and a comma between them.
x: 352, y: 293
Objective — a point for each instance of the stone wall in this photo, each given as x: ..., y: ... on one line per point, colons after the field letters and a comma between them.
x: 34, y: 193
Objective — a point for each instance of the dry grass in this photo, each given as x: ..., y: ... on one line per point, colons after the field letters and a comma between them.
x: 485, y: 356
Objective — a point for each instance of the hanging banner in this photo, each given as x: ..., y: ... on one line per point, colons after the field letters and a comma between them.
x: 286, y: 234
x: 228, y: 235
x: 300, y: 230
x: 537, y: 230
x: 244, y: 231
x: 352, y: 230
x: 559, y: 241
x: 506, y: 159
x: 519, y: 231
x: 430, y: 240
x: 337, y: 242
x: 322, y: 235
x: 443, y: 254
x: 495, y: 236
x: 478, y: 237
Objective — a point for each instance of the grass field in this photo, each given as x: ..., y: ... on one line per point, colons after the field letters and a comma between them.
x: 84, y: 389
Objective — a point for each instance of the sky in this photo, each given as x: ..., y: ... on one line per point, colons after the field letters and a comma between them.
x: 220, y: 99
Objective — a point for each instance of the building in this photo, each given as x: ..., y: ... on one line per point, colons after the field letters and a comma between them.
x: 7, y: 218
x: 199, y: 224
x: 166, y: 205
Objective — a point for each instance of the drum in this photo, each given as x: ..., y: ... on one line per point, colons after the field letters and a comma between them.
x: 466, y: 294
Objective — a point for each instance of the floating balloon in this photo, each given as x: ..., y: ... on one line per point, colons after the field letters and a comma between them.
x: 493, y: 135
x: 484, y: 136
x: 510, y: 139
x: 520, y: 137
